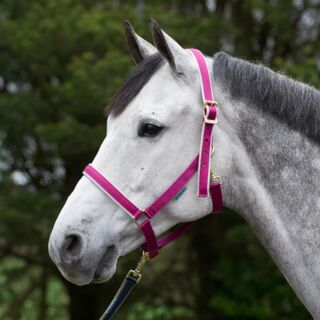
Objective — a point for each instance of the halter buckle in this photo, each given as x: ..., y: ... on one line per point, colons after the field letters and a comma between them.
x: 211, y: 103
x: 208, y: 103
x: 206, y: 120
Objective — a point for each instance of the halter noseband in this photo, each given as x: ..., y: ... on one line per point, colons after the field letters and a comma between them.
x: 207, y: 182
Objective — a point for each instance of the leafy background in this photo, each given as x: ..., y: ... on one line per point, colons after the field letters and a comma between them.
x: 60, y: 62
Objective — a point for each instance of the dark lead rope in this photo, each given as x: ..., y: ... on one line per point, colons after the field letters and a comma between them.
x: 130, y: 282
x: 127, y: 286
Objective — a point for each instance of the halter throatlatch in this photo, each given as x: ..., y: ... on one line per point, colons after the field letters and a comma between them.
x: 207, y: 184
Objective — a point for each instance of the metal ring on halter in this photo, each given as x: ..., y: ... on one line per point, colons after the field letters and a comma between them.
x: 141, y: 218
x: 214, y: 178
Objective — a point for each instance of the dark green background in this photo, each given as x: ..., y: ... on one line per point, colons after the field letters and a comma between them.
x: 60, y: 62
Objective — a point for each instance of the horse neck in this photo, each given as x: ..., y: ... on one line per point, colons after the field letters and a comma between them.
x: 270, y: 176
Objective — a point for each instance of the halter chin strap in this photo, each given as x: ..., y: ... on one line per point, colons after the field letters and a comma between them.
x: 202, y: 164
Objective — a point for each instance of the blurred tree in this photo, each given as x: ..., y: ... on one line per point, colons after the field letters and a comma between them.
x: 60, y: 61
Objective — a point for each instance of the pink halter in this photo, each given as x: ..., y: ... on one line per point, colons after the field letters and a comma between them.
x: 201, y: 163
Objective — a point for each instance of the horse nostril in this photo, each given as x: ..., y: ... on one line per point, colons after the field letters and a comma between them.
x: 72, y: 243
x: 71, y: 247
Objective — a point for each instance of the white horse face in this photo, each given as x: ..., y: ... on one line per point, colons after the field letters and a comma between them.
x: 147, y: 147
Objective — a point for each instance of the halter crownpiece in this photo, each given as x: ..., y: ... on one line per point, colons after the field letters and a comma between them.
x: 210, y: 113
x: 208, y: 183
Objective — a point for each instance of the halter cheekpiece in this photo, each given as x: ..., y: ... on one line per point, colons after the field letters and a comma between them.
x: 208, y: 183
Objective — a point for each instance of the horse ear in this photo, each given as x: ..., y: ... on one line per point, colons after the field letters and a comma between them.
x: 168, y: 47
x: 138, y: 47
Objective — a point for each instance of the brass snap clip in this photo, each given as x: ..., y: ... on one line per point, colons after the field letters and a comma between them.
x: 136, y: 273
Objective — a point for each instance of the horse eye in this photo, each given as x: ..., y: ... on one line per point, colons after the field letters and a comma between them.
x: 149, y: 129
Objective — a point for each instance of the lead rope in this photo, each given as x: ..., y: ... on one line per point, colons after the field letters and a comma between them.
x: 129, y: 283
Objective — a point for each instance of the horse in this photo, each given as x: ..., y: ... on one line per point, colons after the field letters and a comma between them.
x: 266, y: 151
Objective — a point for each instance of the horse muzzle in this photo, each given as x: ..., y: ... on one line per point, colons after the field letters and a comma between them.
x: 78, y: 262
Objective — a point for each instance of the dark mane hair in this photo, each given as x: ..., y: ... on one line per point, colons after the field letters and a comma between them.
x: 135, y: 81
x: 291, y: 101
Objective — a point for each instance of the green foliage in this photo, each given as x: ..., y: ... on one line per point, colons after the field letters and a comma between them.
x: 60, y: 62
x: 22, y: 292
x: 142, y: 311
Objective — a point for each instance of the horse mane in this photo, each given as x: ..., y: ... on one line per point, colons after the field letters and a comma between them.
x: 291, y: 101
x: 132, y: 85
